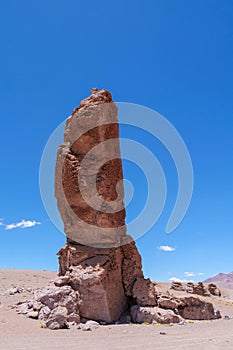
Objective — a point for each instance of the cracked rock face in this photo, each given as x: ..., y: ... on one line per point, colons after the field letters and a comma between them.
x: 100, y: 269
x: 88, y: 177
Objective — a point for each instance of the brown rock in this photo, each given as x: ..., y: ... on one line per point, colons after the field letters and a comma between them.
x: 62, y: 281
x: 198, y: 289
x: 144, y: 292
x: 88, y: 176
x: 214, y: 290
x: 104, y: 277
x: 196, y: 309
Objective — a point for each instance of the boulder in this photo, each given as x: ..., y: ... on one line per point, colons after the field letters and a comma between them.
x: 214, y: 290
x: 193, y: 308
x: 141, y: 314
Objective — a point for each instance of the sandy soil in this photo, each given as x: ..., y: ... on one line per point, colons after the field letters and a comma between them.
x: 20, y: 333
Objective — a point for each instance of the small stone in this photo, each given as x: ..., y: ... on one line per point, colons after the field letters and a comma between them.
x: 62, y: 281
x: 12, y: 291
x: 90, y: 325
x: 33, y: 314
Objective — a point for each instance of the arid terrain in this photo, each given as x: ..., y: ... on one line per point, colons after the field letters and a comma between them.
x: 20, y: 333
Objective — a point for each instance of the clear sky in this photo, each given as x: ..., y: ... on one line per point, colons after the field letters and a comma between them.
x: 175, y: 57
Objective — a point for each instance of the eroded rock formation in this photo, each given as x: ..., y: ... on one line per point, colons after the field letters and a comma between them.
x: 100, y: 270
x: 101, y: 262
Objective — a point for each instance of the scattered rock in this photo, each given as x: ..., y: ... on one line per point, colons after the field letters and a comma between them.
x: 54, y: 305
x: 12, y: 291
x: 177, y: 286
x: 57, y: 318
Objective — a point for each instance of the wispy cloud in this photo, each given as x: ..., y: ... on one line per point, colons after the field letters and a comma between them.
x: 189, y: 274
x: 166, y: 248
x: 20, y: 224
x: 200, y: 273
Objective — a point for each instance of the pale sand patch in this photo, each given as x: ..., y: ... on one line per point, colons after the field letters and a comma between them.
x: 20, y: 333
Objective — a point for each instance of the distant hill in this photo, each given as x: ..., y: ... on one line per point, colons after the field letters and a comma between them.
x: 223, y: 280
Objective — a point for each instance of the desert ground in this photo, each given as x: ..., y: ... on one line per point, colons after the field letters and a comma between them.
x: 20, y: 333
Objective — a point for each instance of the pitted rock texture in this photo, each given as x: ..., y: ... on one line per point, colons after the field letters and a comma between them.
x: 88, y: 177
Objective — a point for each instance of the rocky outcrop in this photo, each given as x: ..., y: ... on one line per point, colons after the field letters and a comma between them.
x: 198, y: 289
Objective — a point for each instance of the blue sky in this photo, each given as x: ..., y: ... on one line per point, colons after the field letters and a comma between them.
x: 175, y: 57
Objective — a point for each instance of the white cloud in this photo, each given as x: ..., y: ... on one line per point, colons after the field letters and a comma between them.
x: 175, y: 279
x: 200, y: 273
x: 22, y: 224
x: 1, y: 223
x: 166, y: 248
x: 189, y: 274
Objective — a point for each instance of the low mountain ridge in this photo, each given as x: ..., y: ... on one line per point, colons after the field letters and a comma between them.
x: 223, y: 280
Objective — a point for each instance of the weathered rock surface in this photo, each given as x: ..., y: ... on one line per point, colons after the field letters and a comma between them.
x: 106, y: 278
x: 100, y: 270
x: 144, y: 292
x: 214, y: 290
x: 198, y: 289
x: 168, y: 303
x: 196, y: 309
x: 88, y: 177
x: 141, y: 314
